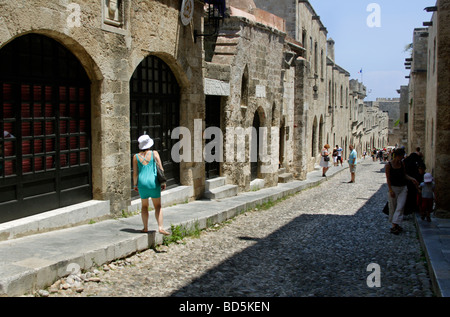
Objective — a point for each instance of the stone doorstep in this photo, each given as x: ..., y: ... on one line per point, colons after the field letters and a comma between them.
x: 285, y: 178
x: 217, y: 188
x: 222, y: 192
x: 214, y: 183
x: 55, y: 219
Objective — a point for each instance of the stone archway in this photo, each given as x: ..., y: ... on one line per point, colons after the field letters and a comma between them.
x: 155, y: 110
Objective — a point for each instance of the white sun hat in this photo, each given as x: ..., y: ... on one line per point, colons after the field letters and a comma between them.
x: 427, y: 178
x: 145, y: 142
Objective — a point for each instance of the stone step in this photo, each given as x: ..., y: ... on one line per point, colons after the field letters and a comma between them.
x: 285, y: 178
x: 214, y: 183
x: 281, y: 171
x: 222, y: 192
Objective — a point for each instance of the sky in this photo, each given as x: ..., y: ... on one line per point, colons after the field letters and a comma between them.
x: 372, y: 36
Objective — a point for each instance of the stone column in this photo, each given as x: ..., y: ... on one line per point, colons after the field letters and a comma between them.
x: 300, y: 120
x: 111, y: 162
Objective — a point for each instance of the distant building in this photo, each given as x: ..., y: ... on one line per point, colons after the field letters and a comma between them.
x: 396, y: 125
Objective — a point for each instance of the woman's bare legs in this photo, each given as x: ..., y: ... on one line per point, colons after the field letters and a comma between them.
x: 144, y: 214
x: 159, y: 215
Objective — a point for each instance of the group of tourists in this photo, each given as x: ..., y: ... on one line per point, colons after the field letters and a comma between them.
x: 383, y: 155
x: 336, y: 154
x: 411, y: 189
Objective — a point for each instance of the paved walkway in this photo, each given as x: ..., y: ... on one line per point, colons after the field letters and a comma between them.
x: 435, y: 240
x: 35, y: 262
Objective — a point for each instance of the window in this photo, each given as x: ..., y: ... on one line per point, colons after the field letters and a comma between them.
x: 316, y: 59
x: 244, y: 88
x: 321, y: 64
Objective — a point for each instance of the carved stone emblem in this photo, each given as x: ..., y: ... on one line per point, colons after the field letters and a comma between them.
x: 187, y: 11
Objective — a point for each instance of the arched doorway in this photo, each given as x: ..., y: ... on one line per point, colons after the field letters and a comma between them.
x: 212, y: 120
x: 155, y: 110
x: 45, y: 147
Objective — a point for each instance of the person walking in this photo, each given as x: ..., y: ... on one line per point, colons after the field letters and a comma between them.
x: 426, y: 189
x: 339, y: 155
x: 396, y: 179
x: 374, y: 154
x: 146, y: 182
x: 352, y: 163
x: 325, y: 160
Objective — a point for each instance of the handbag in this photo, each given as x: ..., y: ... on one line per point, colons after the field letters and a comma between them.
x: 326, y: 158
x: 160, y: 175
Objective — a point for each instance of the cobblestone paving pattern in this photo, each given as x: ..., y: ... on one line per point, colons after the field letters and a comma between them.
x: 316, y: 243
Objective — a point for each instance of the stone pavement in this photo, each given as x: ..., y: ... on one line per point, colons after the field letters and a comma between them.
x: 435, y: 240
x: 35, y: 262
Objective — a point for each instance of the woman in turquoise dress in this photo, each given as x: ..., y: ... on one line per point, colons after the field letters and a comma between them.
x: 146, y: 182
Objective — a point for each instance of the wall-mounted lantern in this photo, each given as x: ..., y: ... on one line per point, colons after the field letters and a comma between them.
x: 214, y: 15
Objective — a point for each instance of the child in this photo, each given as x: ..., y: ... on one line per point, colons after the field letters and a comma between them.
x: 427, y: 192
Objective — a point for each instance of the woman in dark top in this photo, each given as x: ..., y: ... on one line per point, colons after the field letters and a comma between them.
x: 397, y: 179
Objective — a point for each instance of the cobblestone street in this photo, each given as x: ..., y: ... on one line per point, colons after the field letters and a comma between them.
x: 316, y: 243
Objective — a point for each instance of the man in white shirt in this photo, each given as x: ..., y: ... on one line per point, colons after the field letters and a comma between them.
x: 352, y: 163
x: 339, y: 155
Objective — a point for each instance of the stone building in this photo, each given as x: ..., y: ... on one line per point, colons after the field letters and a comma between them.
x: 79, y: 82
x: 321, y: 86
x: 396, y: 126
x: 369, y: 122
x: 247, y: 59
x: 437, y: 124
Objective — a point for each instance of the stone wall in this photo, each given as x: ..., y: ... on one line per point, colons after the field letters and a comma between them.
x: 438, y: 96
x: 429, y: 87
x: 369, y: 122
